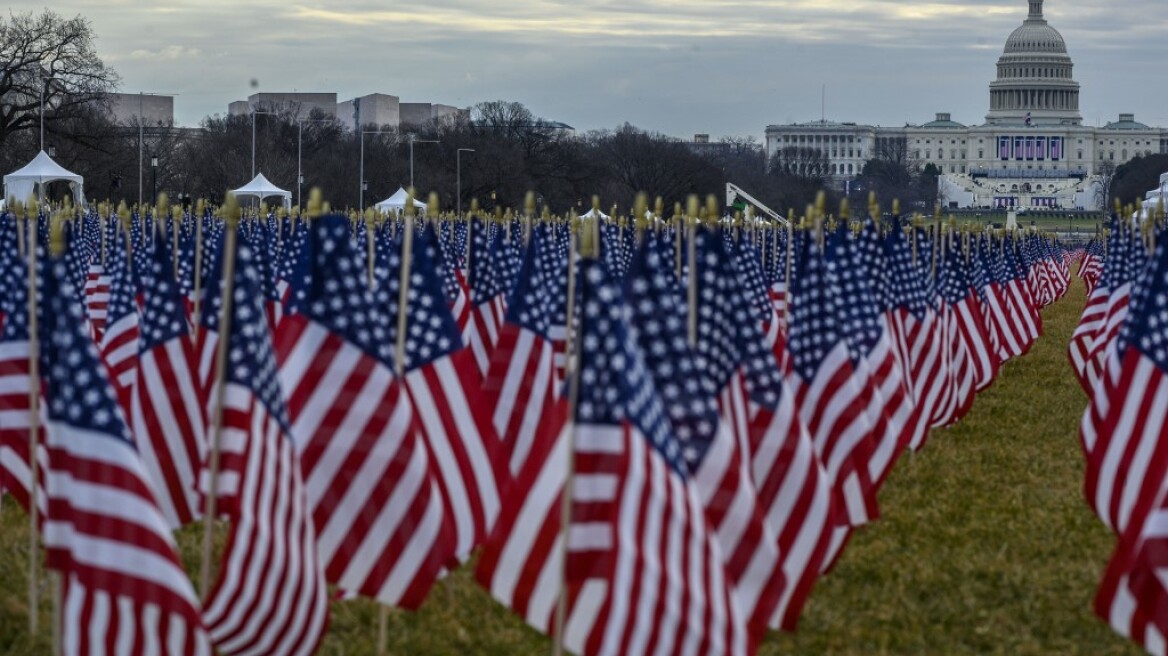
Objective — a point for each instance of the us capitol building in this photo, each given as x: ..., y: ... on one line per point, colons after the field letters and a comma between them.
x: 1033, y: 150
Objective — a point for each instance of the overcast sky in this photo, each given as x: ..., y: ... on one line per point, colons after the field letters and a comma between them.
x: 724, y: 67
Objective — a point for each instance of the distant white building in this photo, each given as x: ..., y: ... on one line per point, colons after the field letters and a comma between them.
x: 375, y: 109
x: 300, y: 105
x: 140, y: 108
x: 1032, y: 150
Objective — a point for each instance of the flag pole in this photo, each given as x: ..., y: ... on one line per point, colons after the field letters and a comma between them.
x: 231, y: 216
x: 196, y: 312
x: 691, y: 223
x: 56, y: 248
x: 34, y: 389
x: 399, y: 354
x: 566, y: 495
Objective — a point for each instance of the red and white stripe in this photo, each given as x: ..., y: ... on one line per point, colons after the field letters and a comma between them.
x: 1125, y: 435
x: 119, y: 351
x: 463, y: 444
x: 270, y: 597
x: 971, y: 326
x: 15, y: 472
x: 795, y: 496
x: 381, y: 529
x: 632, y: 513
x: 481, y: 334
x: 521, y: 387
x: 97, y: 296
x: 168, y: 418
x: 125, y: 591
x: 832, y: 407
x: 1134, y: 590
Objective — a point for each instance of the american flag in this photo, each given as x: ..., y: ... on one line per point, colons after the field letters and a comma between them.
x: 124, y: 590
x: 1134, y: 454
x: 829, y: 395
x: 15, y: 383
x: 443, y: 382
x: 270, y: 597
x: 717, y: 460
x: 119, y: 343
x: 1086, y: 333
x: 1013, y: 337
x: 97, y: 282
x: 913, y: 320
x: 168, y: 409
x: 381, y: 527
x: 637, y: 517
x: 1123, y: 429
x: 954, y: 294
x: 970, y: 315
x: 521, y: 384
x: 791, y: 485
x: 488, y: 293
x: 889, y: 405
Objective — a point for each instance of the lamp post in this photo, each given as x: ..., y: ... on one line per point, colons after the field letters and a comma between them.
x: 299, y: 147
x: 458, y: 175
x: 141, y: 123
x: 364, y: 185
x: 153, y: 176
x: 253, y: 137
x: 414, y: 140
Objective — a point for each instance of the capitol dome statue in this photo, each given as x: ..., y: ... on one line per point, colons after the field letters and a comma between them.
x: 1035, y: 84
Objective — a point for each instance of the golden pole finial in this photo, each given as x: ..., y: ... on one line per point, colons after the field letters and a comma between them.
x: 315, y: 207
x: 713, y: 212
x: 411, y: 211
x: 57, y: 234
x: 845, y: 212
x: 231, y: 210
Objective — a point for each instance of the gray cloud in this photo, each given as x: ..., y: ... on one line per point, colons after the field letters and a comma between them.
x: 678, y: 66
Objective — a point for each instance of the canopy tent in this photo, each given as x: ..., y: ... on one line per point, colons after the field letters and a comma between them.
x: 262, y: 188
x: 591, y: 214
x: 36, y: 174
x: 397, y: 202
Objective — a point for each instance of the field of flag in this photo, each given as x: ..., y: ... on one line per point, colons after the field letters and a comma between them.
x: 650, y: 435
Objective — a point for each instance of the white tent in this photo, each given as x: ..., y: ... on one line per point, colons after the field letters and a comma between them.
x: 36, y: 174
x: 262, y: 188
x: 591, y: 214
x: 397, y: 202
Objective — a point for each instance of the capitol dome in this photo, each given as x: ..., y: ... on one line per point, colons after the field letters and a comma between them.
x: 1034, y: 85
x: 1035, y: 36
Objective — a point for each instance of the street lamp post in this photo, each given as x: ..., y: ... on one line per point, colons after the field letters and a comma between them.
x: 458, y: 175
x: 141, y: 141
x: 253, y: 137
x: 153, y: 176
x: 299, y: 147
x: 361, y: 175
x: 414, y: 140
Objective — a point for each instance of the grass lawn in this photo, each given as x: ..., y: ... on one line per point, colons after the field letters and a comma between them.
x: 985, y: 546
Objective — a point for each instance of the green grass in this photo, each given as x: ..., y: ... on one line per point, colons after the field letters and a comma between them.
x: 985, y: 546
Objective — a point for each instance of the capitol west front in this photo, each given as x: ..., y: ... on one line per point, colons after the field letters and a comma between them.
x: 1032, y: 151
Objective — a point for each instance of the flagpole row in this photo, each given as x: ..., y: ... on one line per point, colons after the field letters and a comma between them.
x: 231, y: 216
x: 566, y: 495
x: 34, y: 418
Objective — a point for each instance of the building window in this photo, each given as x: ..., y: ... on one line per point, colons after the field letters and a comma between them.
x: 928, y: 154
x: 849, y: 168
x: 980, y: 154
x: 940, y: 154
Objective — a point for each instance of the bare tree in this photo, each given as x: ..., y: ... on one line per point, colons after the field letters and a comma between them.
x: 34, y: 48
x: 1105, y: 172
